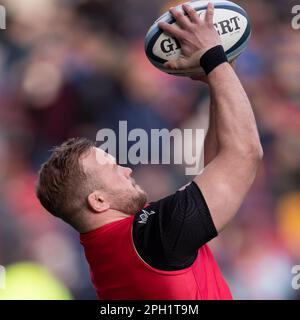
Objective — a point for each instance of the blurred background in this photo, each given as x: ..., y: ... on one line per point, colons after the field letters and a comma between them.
x: 70, y: 68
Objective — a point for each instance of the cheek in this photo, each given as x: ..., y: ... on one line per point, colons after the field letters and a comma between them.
x: 121, y: 182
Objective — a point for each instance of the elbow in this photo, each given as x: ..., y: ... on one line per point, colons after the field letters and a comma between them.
x: 257, y: 152
x: 254, y: 153
x: 250, y: 152
x: 260, y: 152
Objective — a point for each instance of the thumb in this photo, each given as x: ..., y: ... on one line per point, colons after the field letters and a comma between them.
x: 178, y: 64
x: 171, y: 65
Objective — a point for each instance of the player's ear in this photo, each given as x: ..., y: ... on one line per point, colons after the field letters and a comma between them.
x: 97, y: 203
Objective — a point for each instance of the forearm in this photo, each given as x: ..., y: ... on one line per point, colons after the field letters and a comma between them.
x: 210, y: 142
x: 235, y: 125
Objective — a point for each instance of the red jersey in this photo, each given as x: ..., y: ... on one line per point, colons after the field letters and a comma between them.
x: 119, y: 273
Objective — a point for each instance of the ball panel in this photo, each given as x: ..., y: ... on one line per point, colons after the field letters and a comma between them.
x: 231, y: 21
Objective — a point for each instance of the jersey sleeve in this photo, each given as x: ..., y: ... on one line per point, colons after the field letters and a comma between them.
x: 167, y: 234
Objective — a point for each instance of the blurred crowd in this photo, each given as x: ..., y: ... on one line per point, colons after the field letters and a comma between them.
x: 71, y: 67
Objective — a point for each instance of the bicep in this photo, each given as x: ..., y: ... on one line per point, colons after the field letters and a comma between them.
x: 224, y: 183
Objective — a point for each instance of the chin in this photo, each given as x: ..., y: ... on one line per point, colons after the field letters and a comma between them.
x: 131, y: 201
x: 139, y: 201
x: 138, y: 188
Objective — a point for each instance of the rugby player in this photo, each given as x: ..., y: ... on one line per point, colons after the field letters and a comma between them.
x: 158, y: 250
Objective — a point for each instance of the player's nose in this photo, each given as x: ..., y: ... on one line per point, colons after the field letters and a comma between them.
x: 127, y: 171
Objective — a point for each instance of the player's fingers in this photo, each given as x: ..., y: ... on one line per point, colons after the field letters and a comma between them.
x: 171, y: 29
x: 192, y: 14
x: 182, y: 20
x: 209, y: 15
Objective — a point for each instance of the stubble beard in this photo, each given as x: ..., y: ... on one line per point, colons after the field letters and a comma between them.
x: 130, y: 203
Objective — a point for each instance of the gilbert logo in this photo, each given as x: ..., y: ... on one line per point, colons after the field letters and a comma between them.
x: 228, y: 26
x: 2, y: 18
x: 2, y: 277
x: 169, y: 45
x: 145, y: 215
x: 223, y: 27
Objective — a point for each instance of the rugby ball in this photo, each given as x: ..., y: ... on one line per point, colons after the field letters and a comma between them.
x: 230, y: 21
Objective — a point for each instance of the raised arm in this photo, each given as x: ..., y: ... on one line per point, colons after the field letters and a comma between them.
x: 211, y: 143
x: 227, y: 178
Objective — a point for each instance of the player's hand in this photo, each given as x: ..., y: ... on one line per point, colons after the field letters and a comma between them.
x: 195, y: 35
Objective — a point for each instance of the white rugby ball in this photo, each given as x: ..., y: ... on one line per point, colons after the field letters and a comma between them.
x: 230, y: 20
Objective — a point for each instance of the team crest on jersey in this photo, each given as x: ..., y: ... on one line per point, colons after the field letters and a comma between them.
x: 145, y: 215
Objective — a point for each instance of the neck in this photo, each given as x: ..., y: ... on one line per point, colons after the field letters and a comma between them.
x: 97, y: 220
